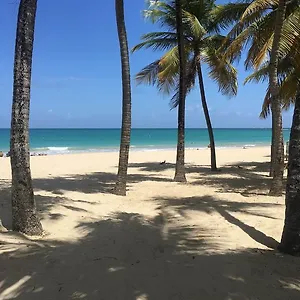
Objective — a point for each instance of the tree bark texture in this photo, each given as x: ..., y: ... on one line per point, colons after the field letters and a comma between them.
x: 24, y: 214
x: 180, y: 167
x: 213, y: 162
x: 277, y: 155
x: 290, y: 241
x: 120, y: 188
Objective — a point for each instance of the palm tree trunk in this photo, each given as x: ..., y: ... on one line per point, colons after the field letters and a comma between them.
x: 272, y: 149
x: 120, y: 188
x: 24, y: 215
x: 278, y: 155
x: 213, y: 163
x: 290, y: 241
x: 180, y: 168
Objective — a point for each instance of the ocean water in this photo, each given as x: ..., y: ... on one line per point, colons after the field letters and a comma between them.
x: 53, y: 141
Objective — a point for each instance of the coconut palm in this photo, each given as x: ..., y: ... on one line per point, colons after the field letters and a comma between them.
x: 255, y: 23
x: 24, y: 214
x: 120, y: 188
x: 180, y: 168
x: 290, y: 241
x: 288, y: 84
x: 200, y: 43
x: 277, y: 153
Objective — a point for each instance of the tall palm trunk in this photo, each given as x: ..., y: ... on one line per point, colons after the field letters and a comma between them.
x: 120, y: 188
x: 213, y: 163
x: 290, y: 241
x: 180, y: 168
x: 277, y: 155
x: 24, y: 215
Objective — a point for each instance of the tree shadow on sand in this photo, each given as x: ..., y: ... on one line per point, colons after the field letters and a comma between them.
x: 247, y: 178
x: 224, y: 208
x: 97, y: 182
x: 129, y: 257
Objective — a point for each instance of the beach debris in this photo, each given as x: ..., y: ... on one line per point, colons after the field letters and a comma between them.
x: 8, y: 154
x: 163, y: 162
x: 1, y: 154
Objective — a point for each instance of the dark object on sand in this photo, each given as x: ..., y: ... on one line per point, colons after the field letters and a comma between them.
x: 8, y: 154
x: 1, y: 154
x: 163, y: 162
x: 208, y: 146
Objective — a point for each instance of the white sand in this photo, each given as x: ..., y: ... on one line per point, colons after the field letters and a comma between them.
x: 208, y: 239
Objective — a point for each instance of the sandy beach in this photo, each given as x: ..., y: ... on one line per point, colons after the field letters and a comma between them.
x: 212, y: 238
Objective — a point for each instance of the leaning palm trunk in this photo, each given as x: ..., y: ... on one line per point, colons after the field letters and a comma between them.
x: 180, y: 168
x: 213, y: 163
x: 290, y: 241
x: 277, y: 139
x: 120, y: 188
x: 24, y: 215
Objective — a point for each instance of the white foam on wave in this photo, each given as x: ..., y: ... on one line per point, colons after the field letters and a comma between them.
x: 58, y: 148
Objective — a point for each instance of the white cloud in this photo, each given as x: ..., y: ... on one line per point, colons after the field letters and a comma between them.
x: 50, y: 111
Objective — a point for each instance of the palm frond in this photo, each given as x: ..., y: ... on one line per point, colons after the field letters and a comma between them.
x: 149, y: 74
x: 189, y: 82
x: 157, y: 41
x: 290, y: 34
x: 221, y: 71
x: 195, y: 27
x: 169, y: 70
x: 225, y: 15
x: 266, y: 107
x: 258, y: 5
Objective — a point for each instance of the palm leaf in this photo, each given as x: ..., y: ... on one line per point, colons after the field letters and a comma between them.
x: 221, y: 71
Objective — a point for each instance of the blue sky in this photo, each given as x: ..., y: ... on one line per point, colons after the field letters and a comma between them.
x: 76, y: 72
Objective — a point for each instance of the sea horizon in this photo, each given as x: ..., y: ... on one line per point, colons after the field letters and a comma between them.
x: 77, y: 140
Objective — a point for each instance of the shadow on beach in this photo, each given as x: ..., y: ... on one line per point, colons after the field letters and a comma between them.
x: 130, y: 257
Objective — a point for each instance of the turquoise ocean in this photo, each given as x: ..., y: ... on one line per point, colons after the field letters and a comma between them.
x: 55, y: 141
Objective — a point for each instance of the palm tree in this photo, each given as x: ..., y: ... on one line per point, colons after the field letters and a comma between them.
x: 288, y: 84
x: 255, y: 23
x: 290, y: 241
x: 200, y: 43
x: 24, y: 214
x: 120, y: 188
x: 180, y: 168
x: 277, y: 153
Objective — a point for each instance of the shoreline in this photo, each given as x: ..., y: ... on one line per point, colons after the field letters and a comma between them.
x: 67, y: 151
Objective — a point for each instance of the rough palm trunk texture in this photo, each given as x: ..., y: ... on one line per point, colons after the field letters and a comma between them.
x: 24, y: 215
x: 213, y: 162
x: 120, y: 188
x: 290, y: 241
x: 277, y: 155
x: 180, y: 168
